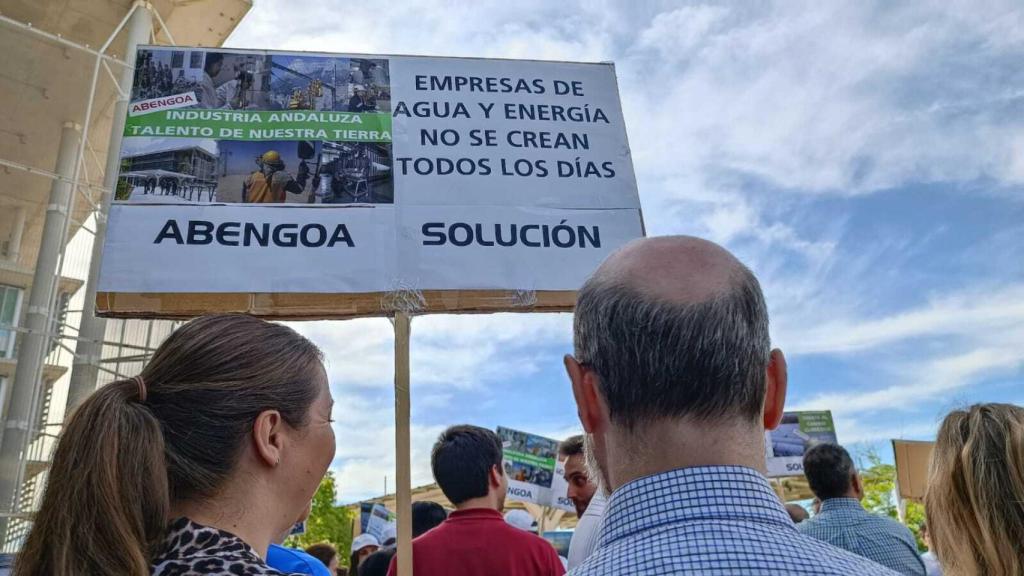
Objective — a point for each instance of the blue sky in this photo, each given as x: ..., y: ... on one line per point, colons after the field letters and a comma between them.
x: 865, y: 160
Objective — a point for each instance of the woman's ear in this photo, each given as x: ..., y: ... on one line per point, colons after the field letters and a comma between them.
x: 267, y: 437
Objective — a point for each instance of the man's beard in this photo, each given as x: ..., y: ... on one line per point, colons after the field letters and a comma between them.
x: 594, y: 469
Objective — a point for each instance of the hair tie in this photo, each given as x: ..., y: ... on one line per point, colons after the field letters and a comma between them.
x: 142, y: 388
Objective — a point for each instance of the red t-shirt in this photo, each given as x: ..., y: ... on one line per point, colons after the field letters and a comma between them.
x: 478, y: 542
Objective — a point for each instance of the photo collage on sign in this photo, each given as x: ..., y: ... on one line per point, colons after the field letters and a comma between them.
x: 528, y: 458
x: 190, y: 170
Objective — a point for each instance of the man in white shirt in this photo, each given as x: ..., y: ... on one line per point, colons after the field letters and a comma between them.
x: 208, y: 97
x: 586, y: 497
x: 931, y: 563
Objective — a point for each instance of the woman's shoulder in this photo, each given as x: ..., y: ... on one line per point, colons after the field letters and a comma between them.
x: 192, y: 549
x: 212, y: 566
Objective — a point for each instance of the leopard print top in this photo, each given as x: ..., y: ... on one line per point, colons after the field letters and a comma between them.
x: 196, y: 550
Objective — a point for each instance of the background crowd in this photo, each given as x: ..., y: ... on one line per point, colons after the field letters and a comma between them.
x: 204, y: 462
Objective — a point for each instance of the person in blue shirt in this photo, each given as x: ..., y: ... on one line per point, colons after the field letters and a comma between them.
x: 675, y: 383
x: 292, y: 561
x: 843, y: 522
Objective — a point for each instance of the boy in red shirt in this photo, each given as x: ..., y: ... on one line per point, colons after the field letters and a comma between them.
x: 475, y: 540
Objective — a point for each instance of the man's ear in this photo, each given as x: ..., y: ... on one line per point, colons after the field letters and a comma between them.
x: 267, y: 437
x: 855, y: 483
x: 775, y: 392
x: 494, y: 477
x: 590, y: 404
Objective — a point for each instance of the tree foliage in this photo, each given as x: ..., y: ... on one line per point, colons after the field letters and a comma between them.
x: 327, y: 522
x: 879, y: 481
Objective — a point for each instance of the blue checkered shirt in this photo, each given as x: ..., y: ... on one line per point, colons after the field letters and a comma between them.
x: 843, y: 522
x: 709, y: 520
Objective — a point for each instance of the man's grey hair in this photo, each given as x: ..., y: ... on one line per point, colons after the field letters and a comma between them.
x: 658, y: 359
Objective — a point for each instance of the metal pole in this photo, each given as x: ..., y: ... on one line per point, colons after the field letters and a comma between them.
x: 4, y: 20
x: 92, y: 330
x: 34, y: 340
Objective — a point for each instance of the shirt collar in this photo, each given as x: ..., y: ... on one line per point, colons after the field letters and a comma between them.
x: 701, y: 493
x: 186, y: 539
x: 840, y: 504
x: 476, y: 513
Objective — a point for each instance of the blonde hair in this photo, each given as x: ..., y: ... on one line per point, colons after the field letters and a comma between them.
x: 975, y: 498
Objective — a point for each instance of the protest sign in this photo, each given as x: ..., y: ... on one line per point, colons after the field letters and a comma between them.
x: 560, y: 490
x: 531, y: 464
x: 323, y: 178
x: 799, y: 431
x: 378, y: 521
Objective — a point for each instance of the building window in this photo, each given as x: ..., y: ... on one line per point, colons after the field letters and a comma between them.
x: 10, y: 312
x: 196, y: 59
x: 177, y: 59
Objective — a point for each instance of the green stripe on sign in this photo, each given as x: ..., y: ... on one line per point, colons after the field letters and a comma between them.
x: 529, y: 459
x: 262, y: 125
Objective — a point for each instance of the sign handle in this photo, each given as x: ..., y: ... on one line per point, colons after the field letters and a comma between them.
x: 403, y: 479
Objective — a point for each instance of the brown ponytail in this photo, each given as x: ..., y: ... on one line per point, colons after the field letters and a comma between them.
x: 106, y: 502
x: 134, y: 447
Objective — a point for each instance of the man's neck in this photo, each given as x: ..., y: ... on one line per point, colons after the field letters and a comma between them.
x: 669, y: 444
x: 851, y: 495
x: 482, y: 503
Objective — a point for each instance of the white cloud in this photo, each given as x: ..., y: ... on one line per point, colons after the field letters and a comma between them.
x: 739, y: 116
x: 365, y: 432
x: 676, y: 34
x: 820, y: 96
x: 358, y: 352
x: 850, y: 430
x: 996, y: 313
x: 946, y: 346
x: 922, y: 382
x: 451, y: 351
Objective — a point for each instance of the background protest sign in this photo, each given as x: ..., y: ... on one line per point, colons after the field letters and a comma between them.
x: 560, y: 490
x: 321, y: 185
x: 531, y: 464
x: 377, y: 521
x: 785, y: 446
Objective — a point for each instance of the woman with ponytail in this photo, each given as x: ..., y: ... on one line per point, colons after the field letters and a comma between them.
x: 195, y: 465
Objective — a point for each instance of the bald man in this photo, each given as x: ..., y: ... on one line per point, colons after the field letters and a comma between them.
x: 675, y: 383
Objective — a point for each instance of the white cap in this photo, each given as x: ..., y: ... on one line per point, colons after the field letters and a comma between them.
x: 358, y: 87
x: 520, y: 519
x: 390, y: 531
x: 364, y: 540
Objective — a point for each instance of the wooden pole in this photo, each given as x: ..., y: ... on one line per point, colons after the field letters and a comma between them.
x: 403, y: 479
x: 780, y: 490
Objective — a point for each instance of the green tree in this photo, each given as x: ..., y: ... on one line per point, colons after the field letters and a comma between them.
x: 879, y: 480
x: 327, y: 522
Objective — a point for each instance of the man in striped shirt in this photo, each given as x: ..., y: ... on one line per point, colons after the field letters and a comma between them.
x: 675, y: 383
x: 843, y: 522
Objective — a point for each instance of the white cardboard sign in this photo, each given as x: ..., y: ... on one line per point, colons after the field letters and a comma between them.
x: 332, y: 173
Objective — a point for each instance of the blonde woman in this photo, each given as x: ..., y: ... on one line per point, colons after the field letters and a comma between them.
x: 975, y: 499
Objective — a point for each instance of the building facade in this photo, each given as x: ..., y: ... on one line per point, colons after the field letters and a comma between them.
x: 58, y: 103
